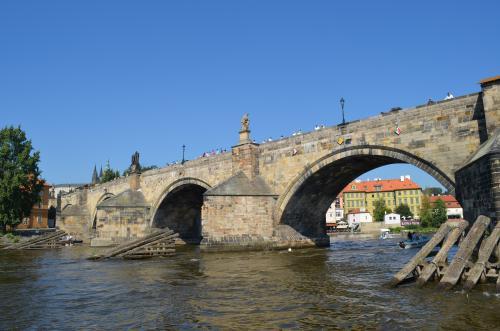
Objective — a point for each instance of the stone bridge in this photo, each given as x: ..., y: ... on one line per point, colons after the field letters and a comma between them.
x: 276, y: 194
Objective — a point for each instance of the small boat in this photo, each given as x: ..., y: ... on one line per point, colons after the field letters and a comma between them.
x: 416, y: 242
x: 386, y: 234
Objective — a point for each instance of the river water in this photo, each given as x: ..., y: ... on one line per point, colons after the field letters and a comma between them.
x: 340, y: 287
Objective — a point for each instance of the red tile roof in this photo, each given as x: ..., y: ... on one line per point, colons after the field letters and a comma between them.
x: 449, y: 200
x: 386, y: 185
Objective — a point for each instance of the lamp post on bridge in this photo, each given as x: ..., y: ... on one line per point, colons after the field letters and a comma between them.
x: 342, y: 101
x: 183, y: 152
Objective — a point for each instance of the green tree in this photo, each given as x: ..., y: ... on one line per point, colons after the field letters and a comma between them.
x: 425, y: 212
x: 126, y: 172
x: 439, y: 215
x: 109, y: 174
x: 20, y: 184
x: 403, y: 210
x: 432, y: 191
x: 379, y: 210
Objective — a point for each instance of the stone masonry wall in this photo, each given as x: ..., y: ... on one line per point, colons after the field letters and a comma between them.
x: 474, y: 188
x: 120, y: 224
x: 230, y: 217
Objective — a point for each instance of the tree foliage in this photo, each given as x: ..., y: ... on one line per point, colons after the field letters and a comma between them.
x: 20, y: 184
x: 432, y: 191
x: 403, y: 210
x: 126, y: 172
x: 439, y: 215
x: 425, y: 212
x: 109, y: 174
x: 380, y: 209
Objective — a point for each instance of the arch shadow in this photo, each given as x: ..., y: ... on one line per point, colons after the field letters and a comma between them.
x: 179, y: 208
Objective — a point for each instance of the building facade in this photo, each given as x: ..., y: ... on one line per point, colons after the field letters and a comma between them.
x: 363, y: 194
x: 335, y: 213
x: 42, y: 214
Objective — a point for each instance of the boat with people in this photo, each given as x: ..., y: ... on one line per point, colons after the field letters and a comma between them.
x: 414, y: 241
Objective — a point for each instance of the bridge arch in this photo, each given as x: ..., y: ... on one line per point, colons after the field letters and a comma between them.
x: 179, y: 208
x: 102, y: 198
x: 304, y: 203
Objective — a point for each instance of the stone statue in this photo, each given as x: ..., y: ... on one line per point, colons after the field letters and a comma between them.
x: 135, y: 166
x: 245, y: 123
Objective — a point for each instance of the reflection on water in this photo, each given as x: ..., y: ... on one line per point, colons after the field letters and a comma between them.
x: 339, y: 287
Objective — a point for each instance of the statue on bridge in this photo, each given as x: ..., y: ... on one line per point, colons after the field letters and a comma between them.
x: 245, y: 123
x: 135, y: 166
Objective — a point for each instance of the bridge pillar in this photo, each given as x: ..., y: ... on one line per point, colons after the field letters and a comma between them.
x: 478, y: 181
x: 491, y: 103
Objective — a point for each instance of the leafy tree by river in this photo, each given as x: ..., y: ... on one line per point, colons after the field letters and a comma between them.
x: 439, y: 215
x: 20, y: 184
x: 403, y: 210
x: 380, y: 210
x: 432, y: 214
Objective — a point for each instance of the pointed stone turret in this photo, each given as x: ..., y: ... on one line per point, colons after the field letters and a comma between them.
x: 95, y: 178
x: 100, y: 173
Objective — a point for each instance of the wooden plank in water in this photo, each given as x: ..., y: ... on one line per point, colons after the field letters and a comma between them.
x: 32, y: 242
x: 484, y: 254
x: 451, y: 239
x: 457, y: 266
x: 421, y: 255
x: 136, y: 243
x: 166, y: 239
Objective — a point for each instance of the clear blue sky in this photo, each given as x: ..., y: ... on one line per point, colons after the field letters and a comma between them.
x: 92, y: 81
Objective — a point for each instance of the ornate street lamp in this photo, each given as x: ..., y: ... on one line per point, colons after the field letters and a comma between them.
x: 342, y: 101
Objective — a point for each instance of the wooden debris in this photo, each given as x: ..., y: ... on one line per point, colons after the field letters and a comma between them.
x: 485, y: 252
x: 431, y: 268
x: 411, y: 267
x: 50, y: 240
x: 457, y: 266
x: 159, y: 243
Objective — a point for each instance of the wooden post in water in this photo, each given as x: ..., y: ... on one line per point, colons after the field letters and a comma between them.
x: 484, y: 254
x: 431, y: 268
x: 421, y: 255
x: 457, y: 266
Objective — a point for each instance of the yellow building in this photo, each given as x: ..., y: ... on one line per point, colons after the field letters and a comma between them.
x: 362, y: 195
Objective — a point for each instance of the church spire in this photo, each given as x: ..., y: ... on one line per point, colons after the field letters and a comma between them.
x: 95, y: 179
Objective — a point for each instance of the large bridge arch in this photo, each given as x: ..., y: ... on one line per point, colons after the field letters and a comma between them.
x: 304, y: 203
x: 179, y: 208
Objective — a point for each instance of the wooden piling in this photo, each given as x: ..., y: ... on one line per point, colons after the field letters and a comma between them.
x: 457, y: 266
x: 44, y: 241
x: 456, y: 231
x: 160, y: 242
x: 421, y: 255
x: 484, y: 254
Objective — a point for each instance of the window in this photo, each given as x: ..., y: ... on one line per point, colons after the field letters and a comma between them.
x: 417, y: 200
x: 353, y: 187
x: 406, y: 201
x: 399, y: 193
x: 378, y: 188
x: 26, y: 220
x: 411, y: 200
x: 39, y: 218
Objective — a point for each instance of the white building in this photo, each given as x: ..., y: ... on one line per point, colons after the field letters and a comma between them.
x: 357, y: 216
x: 335, y: 213
x: 392, y: 219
